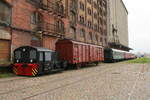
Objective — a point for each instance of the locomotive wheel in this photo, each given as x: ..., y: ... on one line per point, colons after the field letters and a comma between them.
x: 64, y: 65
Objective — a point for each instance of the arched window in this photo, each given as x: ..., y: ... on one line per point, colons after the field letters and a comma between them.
x: 96, y: 37
x: 73, y: 32
x: 82, y: 33
x: 90, y: 36
x: 5, y: 12
x: 36, y: 18
x: 60, y: 26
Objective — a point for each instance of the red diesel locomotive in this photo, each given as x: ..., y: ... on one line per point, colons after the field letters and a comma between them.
x: 32, y: 61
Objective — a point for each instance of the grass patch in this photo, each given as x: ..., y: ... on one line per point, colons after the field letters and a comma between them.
x: 5, y: 75
x: 140, y: 60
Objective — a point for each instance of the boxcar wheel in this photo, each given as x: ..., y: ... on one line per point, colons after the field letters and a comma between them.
x: 96, y: 63
x: 78, y: 66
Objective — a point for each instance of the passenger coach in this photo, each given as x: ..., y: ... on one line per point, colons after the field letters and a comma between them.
x: 113, y: 55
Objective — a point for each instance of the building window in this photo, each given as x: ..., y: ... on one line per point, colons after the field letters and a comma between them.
x: 35, y: 18
x: 95, y: 15
x: 60, y: 26
x: 89, y: 1
x: 105, y: 41
x: 95, y: 5
x: 96, y: 37
x: 35, y: 2
x: 82, y: 33
x: 89, y: 24
x: 73, y: 4
x: 101, y: 21
x: 82, y: 6
x: 81, y: 19
x: 104, y: 3
x: 101, y: 39
x: 73, y: 32
x: 101, y: 30
x: 95, y: 27
x: 5, y: 13
x: 89, y: 11
x: 73, y: 18
x: 90, y: 36
x: 100, y: 11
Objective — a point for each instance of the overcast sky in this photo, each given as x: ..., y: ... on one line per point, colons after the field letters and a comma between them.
x: 139, y: 24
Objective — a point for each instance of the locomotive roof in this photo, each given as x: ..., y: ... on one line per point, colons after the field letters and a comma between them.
x: 43, y: 49
x: 37, y: 48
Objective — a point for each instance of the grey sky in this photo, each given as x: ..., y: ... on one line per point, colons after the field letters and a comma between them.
x: 139, y: 24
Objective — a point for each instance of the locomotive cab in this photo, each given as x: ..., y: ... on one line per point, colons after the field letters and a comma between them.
x: 31, y: 61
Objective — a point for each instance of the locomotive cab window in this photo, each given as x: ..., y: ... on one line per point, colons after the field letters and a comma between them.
x: 18, y: 55
x: 32, y: 54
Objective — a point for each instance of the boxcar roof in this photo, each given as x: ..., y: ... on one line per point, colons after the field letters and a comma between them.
x: 76, y: 42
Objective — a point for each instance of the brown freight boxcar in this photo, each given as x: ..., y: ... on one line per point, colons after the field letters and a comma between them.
x: 78, y: 53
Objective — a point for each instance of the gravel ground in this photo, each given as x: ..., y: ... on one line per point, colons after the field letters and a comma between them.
x: 118, y: 81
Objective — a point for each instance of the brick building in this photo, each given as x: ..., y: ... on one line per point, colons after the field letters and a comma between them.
x: 43, y: 22
x: 88, y: 21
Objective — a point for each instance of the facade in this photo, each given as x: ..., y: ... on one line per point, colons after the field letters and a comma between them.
x: 87, y: 21
x: 30, y: 22
x: 117, y: 25
x: 42, y: 22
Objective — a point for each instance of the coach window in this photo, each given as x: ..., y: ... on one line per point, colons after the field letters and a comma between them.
x: 5, y: 13
x: 48, y: 56
x: 41, y: 56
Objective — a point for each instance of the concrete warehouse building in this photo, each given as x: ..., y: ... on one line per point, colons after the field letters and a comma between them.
x: 42, y: 22
x: 117, y: 25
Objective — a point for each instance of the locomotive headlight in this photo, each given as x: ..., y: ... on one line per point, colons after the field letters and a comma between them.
x: 31, y: 60
x: 24, y: 49
x: 17, y: 61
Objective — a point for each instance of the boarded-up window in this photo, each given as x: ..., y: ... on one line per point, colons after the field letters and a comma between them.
x: 5, y: 12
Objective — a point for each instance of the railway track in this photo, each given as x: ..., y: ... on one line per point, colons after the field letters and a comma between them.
x: 85, y: 75
x: 14, y: 79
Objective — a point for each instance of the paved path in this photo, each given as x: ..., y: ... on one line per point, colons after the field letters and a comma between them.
x: 119, y: 81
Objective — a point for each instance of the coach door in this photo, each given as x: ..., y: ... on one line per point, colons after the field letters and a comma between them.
x: 41, y: 61
x: 48, y: 64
